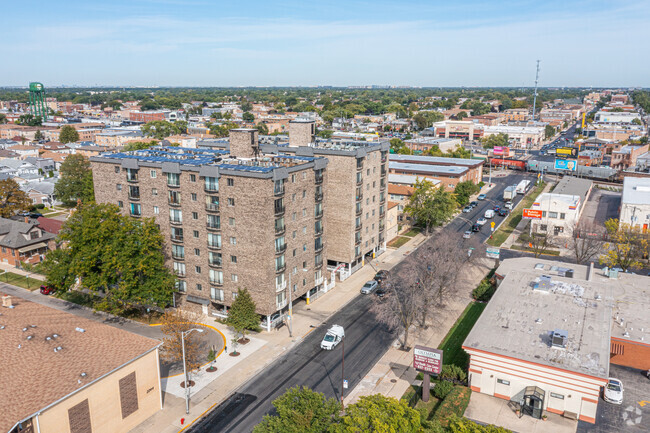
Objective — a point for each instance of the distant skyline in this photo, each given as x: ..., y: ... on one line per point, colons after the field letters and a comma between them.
x: 339, y: 43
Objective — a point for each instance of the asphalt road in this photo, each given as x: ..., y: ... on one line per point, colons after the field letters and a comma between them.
x: 306, y: 364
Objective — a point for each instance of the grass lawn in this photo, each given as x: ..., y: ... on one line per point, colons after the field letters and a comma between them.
x: 398, y: 241
x: 514, y: 218
x: 76, y: 297
x: 451, y: 344
x: 412, y: 232
x: 21, y: 281
x: 528, y: 250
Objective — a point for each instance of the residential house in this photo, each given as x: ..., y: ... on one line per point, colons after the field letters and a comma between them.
x: 23, y: 241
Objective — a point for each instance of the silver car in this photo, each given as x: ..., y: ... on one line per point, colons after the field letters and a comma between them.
x: 369, y: 287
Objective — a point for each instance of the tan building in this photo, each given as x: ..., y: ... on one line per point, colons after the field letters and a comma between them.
x: 66, y: 374
x: 515, y: 114
x: 244, y: 220
x: 424, y: 144
x: 392, y: 224
x: 355, y: 193
x: 449, y: 171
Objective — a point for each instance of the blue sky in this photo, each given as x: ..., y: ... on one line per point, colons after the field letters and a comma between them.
x: 287, y: 43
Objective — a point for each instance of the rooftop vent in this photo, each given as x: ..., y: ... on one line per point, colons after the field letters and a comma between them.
x: 80, y: 330
x: 6, y: 301
x: 559, y: 338
x: 544, y: 283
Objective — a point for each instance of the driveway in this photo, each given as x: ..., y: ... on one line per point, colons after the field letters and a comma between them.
x: 629, y: 417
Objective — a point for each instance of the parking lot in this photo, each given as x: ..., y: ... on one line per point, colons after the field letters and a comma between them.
x: 633, y: 416
x: 601, y: 206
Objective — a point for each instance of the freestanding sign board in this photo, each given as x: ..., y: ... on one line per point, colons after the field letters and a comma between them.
x: 493, y: 252
x: 427, y: 360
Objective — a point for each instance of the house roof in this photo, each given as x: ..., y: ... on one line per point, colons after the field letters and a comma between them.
x: 400, y: 189
x: 392, y: 204
x: 12, y: 234
x: 39, y: 375
x: 43, y: 187
x: 50, y: 225
x: 22, y: 147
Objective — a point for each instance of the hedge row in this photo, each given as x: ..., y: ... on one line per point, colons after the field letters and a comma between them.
x: 454, y: 404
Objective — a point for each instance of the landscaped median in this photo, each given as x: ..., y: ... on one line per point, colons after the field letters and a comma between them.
x: 512, y: 220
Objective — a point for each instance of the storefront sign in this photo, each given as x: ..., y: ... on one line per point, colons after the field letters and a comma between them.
x: 532, y: 214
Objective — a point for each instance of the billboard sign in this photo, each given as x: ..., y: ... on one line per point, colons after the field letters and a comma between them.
x: 492, y: 252
x: 566, y: 164
x: 427, y: 360
x: 532, y: 214
x: 501, y: 150
x: 570, y: 152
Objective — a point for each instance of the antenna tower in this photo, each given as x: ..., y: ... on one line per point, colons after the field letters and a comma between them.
x: 535, y: 96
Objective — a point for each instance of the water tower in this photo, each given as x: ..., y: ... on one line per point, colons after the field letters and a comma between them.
x: 37, y: 104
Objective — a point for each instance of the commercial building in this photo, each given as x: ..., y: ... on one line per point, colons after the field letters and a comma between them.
x: 118, y: 137
x: 449, y: 171
x: 355, y: 192
x: 66, y: 374
x: 463, y: 129
x: 424, y: 144
x: 635, y: 202
x: 515, y: 115
x: 626, y: 156
x: 615, y: 117
x: 548, y: 335
x: 519, y: 136
x: 230, y: 221
x: 561, y: 209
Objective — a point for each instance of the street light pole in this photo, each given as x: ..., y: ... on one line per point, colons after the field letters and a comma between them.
x: 342, y: 370
x: 187, y: 384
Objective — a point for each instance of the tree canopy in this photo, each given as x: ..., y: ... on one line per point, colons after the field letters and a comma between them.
x: 75, y: 181
x: 242, y: 315
x: 29, y: 120
x: 495, y: 140
x: 115, y: 256
x: 160, y: 129
x: 626, y: 245
x: 377, y: 413
x: 139, y: 145
x: 430, y: 206
x: 68, y: 134
x: 464, y: 190
x: 12, y: 198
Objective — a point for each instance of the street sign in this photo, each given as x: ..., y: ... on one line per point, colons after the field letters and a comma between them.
x: 345, y: 384
x: 566, y: 164
x: 492, y: 252
x: 427, y: 360
x: 492, y: 224
x: 532, y: 214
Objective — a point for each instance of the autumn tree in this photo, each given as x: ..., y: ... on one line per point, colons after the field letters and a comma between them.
x: 585, y: 241
x: 12, y: 198
x: 626, y: 246
x: 301, y: 410
x: 173, y: 325
x: 378, y: 413
x: 538, y: 242
x: 242, y: 316
x: 430, y: 206
x: 117, y: 257
x: 75, y: 181
x: 68, y: 134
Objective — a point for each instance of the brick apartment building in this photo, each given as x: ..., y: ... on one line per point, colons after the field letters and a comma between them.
x: 355, y: 192
x: 231, y: 221
x: 146, y: 116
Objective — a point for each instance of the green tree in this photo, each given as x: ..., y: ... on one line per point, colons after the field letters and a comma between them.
x: 462, y: 115
x: 248, y: 117
x: 464, y: 190
x: 549, y: 131
x: 430, y: 206
x: 246, y: 106
x: 464, y: 425
x: 12, y: 198
x: 493, y: 140
x: 122, y: 261
x: 637, y: 121
x: 459, y: 152
x: 396, y: 144
x: 75, y: 181
x: 626, y: 245
x: 38, y: 135
x: 68, y: 134
x: 242, y: 315
x: 301, y: 410
x: 3, y: 118
x: 29, y: 120
x: 160, y: 129
x: 377, y: 413
x: 262, y: 128
x: 325, y: 133
x: 139, y: 145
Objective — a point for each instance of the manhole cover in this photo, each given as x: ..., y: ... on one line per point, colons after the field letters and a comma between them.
x: 393, y: 380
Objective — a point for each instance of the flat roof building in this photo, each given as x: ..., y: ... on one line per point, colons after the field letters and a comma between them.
x: 635, y: 202
x: 561, y: 209
x: 449, y: 171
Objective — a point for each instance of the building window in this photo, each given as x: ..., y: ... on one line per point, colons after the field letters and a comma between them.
x: 304, y: 212
x: 120, y: 204
x: 558, y: 396
x: 503, y: 382
x: 153, y: 174
x: 193, y: 196
x: 136, y: 209
x: 231, y: 201
x: 119, y: 187
x: 179, y: 269
x: 233, y: 259
x: 293, y: 197
x: 197, y: 252
x: 304, y: 282
x: 231, y: 182
x: 199, y: 287
x: 117, y: 169
x: 293, y: 178
x: 154, y: 191
x: 293, y: 235
x: 293, y: 216
x: 216, y: 277
x: 156, y: 211
x: 178, y: 251
x: 192, y: 178
x: 181, y: 286
x: 233, y: 240
x: 212, y: 184
x: 304, y: 193
x: 234, y: 278
x: 304, y: 266
x: 562, y: 216
x: 231, y: 222
x: 552, y: 214
x: 197, y: 269
x: 173, y: 179
x: 196, y: 234
x: 234, y: 295
x: 216, y: 294
x: 543, y: 227
x: 214, y: 240
x: 304, y: 175
x: 304, y: 230
x: 195, y: 215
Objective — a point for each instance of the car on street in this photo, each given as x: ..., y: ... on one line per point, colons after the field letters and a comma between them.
x: 489, y: 214
x: 476, y: 228
x: 481, y: 221
x: 473, y: 203
x: 481, y: 197
x: 381, y: 276
x: 510, y: 205
x: 47, y: 290
x: 496, y: 208
x: 467, y: 209
x: 467, y: 234
x: 333, y: 337
x: 369, y: 287
x: 503, y: 212
x: 613, y: 392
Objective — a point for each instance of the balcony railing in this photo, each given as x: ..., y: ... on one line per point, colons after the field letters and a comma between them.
x: 173, y: 185
x: 382, y: 185
x: 132, y: 179
x: 177, y: 238
x: 211, y: 188
x: 212, y: 207
x: 318, y: 196
x: 134, y: 197
x: 358, y: 226
x: 175, y: 221
x: 178, y: 256
x: 175, y: 203
x: 278, y: 191
x: 280, y: 287
x: 382, y: 212
x: 381, y: 227
x: 279, y: 210
x: 179, y: 273
x: 359, y: 180
x: 282, y: 248
x: 384, y: 159
x: 318, y: 231
x: 318, y: 180
x: 213, y: 227
x: 359, y: 196
x: 280, y: 230
x: 358, y: 211
x: 214, y: 247
x: 319, y: 248
x: 215, y: 263
x: 216, y: 282
x: 318, y: 281
x: 136, y: 214
x: 318, y: 213
x: 318, y: 263
x: 280, y: 269
x: 281, y: 305
x: 357, y: 241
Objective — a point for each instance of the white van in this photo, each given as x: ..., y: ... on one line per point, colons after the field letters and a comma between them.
x: 333, y: 337
x: 489, y: 214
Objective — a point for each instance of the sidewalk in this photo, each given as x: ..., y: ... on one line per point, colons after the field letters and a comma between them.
x: 522, y: 224
x: 14, y: 270
x: 267, y: 348
x: 392, y: 375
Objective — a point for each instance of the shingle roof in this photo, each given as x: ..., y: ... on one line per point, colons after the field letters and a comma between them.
x: 50, y: 225
x: 35, y: 376
x: 400, y: 189
x: 11, y: 234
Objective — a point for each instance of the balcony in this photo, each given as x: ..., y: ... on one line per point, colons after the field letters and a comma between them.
x: 278, y: 191
x: 381, y: 227
x: 319, y: 248
x: 282, y: 248
x: 318, y: 231
x: 215, y: 263
x: 357, y: 241
x: 279, y: 210
x: 174, y: 203
x: 318, y: 263
x: 216, y: 282
x: 136, y: 214
x: 382, y: 213
x: 279, y: 270
x: 214, y: 247
x: 212, y: 207
x: 179, y: 273
x: 318, y: 281
x: 318, y: 180
x: 383, y: 172
x: 175, y: 221
x: 318, y: 213
x: 132, y: 178
x: 211, y: 188
x: 358, y: 211
x: 174, y: 185
x: 213, y: 227
x: 359, y: 164
x: 359, y: 181
x: 280, y: 287
x: 280, y: 230
x: 384, y: 159
x: 178, y: 256
x: 358, y: 226
x: 281, y: 305
x: 318, y: 196
x: 177, y: 238
x: 134, y: 197
x: 359, y: 196
x: 382, y: 185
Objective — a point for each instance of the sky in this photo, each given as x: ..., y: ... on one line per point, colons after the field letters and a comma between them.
x: 339, y: 43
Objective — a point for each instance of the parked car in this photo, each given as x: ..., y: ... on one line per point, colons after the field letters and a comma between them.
x: 510, y: 205
x: 333, y: 337
x: 467, y: 234
x: 613, y: 392
x: 381, y: 276
x: 476, y: 228
x: 47, y: 290
x: 467, y: 209
x: 369, y: 287
x: 503, y: 212
x: 481, y: 221
x: 481, y: 197
x: 473, y: 203
x: 35, y: 214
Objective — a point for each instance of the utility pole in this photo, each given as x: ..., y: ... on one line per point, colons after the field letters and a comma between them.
x: 342, y: 370
x: 290, y: 315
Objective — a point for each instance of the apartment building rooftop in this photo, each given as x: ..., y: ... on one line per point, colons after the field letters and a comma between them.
x: 428, y: 169
x: 440, y: 160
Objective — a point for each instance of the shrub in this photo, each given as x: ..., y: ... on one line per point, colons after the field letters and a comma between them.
x: 451, y: 372
x: 454, y: 404
x: 442, y: 389
x: 39, y: 206
x: 484, y: 291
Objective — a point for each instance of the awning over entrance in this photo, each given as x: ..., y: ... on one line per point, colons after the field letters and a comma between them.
x: 197, y: 300
x: 32, y: 247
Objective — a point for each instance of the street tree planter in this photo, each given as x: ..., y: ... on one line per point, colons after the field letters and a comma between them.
x: 234, y: 354
x: 244, y: 340
x: 191, y: 382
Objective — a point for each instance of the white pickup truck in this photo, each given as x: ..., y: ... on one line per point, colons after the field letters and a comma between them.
x: 333, y: 337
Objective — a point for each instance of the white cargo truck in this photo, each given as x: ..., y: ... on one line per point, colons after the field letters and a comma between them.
x: 333, y: 337
x: 522, y: 186
x: 509, y: 193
